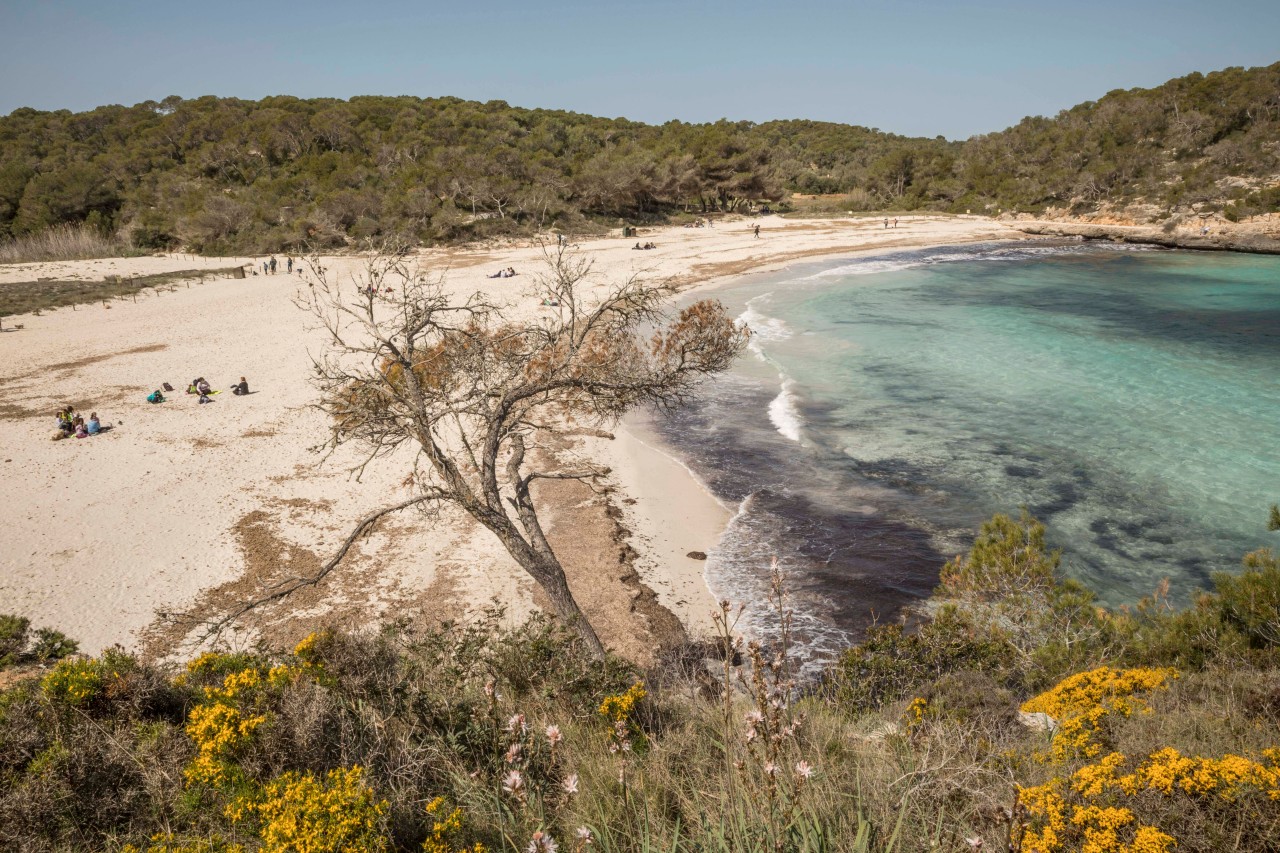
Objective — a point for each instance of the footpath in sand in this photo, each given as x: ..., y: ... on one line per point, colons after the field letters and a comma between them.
x: 183, y: 506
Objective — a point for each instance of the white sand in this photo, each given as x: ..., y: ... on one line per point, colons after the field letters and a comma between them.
x: 100, y: 533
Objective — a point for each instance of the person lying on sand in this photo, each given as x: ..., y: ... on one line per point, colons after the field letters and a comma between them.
x: 240, y: 388
x: 155, y: 397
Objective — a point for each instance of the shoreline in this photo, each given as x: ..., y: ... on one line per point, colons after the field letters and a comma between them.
x: 187, y: 507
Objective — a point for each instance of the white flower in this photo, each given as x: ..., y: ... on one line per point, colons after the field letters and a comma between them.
x: 771, y: 769
x: 753, y: 718
x: 553, y: 734
x: 541, y: 843
x: 513, y: 782
x: 975, y: 842
x: 804, y: 769
x: 584, y: 834
x: 570, y: 784
x: 626, y: 746
x: 751, y: 735
x: 513, y: 753
x: 489, y: 688
x: 516, y: 722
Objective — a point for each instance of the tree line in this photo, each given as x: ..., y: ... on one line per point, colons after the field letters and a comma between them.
x: 222, y: 175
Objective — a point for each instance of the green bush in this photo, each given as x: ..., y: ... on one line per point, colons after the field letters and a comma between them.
x: 13, y: 639
x: 18, y: 647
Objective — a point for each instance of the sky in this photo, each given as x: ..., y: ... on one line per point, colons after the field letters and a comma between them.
x: 914, y: 67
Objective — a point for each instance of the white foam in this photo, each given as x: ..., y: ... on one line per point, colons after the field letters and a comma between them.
x: 1002, y: 253
x: 764, y: 328
x: 784, y: 410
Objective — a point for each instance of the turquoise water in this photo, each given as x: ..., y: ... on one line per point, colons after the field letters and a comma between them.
x: 1127, y: 398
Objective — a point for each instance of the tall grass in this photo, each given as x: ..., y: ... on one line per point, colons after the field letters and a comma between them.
x: 66, y: 242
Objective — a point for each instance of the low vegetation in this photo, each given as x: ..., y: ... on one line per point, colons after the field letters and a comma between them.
x: 65, y: 241
x: 1020, y: 716
x: 226, y: 176
x: 25, y: 297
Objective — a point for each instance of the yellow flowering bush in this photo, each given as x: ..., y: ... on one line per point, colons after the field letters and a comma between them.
x: 76, y: 682
x: 915, y: 712
x: 299, y: 813
x: 223, y: 724
x: 1098, y: 810
x: 218, y: 730
x: 1083, y: 704
x: 1056, y: 824
x: 1227, y: 778
x: 445, y: 829
x: 617, y: 707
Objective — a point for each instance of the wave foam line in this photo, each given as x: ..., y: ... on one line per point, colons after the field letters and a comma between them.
x: 784, y: 410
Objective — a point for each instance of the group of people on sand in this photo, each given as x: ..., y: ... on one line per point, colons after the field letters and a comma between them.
x: 509, y: 272
x: 70, y: 423
x: 201, y: 387
x: 645, y: 246
x: 269, y: 266
x: 895, y: 222
x: 698, y: 223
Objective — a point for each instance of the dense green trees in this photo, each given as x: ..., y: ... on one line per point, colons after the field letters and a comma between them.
x: 222, y: 174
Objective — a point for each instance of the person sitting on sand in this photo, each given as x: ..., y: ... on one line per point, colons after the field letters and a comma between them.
x: 203, y: 389
x: 94, y: 426
x: 636, y: 246
x: 155, y: 397
x: 240, y: 388
x: 81, y: 430
x: 65, y: 422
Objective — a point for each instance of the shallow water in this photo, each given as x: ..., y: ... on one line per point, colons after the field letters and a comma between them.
x: 1126, y: 397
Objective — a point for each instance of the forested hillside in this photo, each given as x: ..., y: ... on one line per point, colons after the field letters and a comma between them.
x: 222, y: 174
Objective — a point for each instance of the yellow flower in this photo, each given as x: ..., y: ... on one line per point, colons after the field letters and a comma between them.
x: 1083, y: 703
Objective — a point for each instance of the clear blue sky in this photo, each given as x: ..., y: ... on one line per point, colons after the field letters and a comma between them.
x: 919, y: 67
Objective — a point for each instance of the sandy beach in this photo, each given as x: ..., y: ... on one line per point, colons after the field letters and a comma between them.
x: 186, y: 507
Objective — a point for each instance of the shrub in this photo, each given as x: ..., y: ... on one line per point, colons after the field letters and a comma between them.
x: 13, y: 638
x: 1085, y: 704
x: 299, y: 813
x: 18, y: 647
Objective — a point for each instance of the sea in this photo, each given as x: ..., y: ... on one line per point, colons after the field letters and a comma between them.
x: 1127, y: 397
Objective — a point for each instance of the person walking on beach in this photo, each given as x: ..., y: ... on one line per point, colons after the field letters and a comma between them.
x: 895, y: 222
x: 290, y: 264
x: 264, y: 267
x: 273, y: 264
x: 757, y: 230
x: 886, y: 222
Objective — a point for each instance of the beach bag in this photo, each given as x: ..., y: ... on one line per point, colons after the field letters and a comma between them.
x: 166, y: 386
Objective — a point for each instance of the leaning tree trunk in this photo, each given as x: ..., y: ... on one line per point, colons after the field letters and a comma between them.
x: 544, y: 567
x: 530, y: 547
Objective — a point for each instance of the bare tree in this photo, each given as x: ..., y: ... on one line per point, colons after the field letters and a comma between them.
x: 473, y: 392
